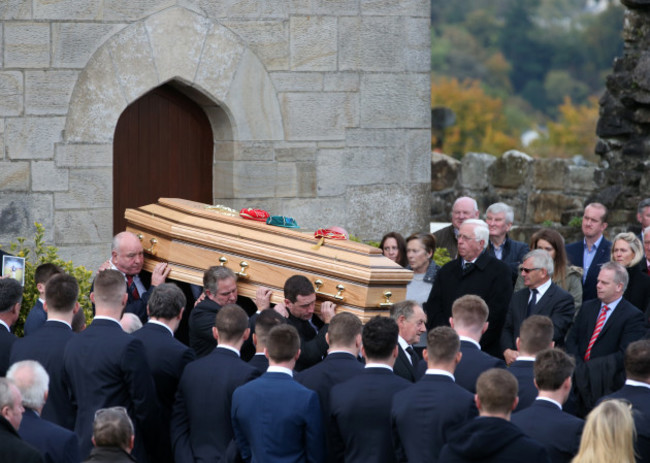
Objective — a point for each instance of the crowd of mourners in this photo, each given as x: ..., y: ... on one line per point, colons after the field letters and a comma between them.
x: 509, y: 352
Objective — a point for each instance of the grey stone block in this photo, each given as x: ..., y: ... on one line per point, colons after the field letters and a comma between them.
x: 474, y: 170
x: 83, y: 155
x: 48, y: 92
x: 253, y: 151
x: 297, y: 81
x: 14, y: 176
x: 331, y: 172
x: 32, y: 137
x: 295, y: 152
x: 119, y: 10
x: 318, y: 116
x: 88, y: 188
x: 15, y: 9
x: 269, y: 40
x: 511, y: 170
x: 284, y: 179
x: 313, y: 42
x: 74, y: 43
x: 47, y: 177
x: 371, y: 44
x: 417, y: 8
x: 90, y: 256
x: 581, y: 178
x: 417, y: 151
x: 94, y: 226
x: 11, y: 93
x: 26, y: 45
x: 417, y: 35
x: 324, y: 7
x: 306, y: 179
x: 254, y: 179
x: 341, y: 82
x: 68, y: 9
x: 312, y: 214
x: 396, y: 101
x: 19, y: 211
x: 223, y: 180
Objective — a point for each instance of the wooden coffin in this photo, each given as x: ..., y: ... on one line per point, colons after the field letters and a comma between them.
x: 192, y: 237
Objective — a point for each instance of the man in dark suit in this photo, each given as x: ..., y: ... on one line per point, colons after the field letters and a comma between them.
x: 11, y: 296
x: 469, y: 320
x: 536, y: 335
x: 201, y: 429
x: 360, y: 408
x: 11, y: 414
x: 499, y: 217
x: 599, y: 336
x: 127, y: 256
x: 411, y: 320
x: 544, y: 420
x: 423, y: 413
x: 264, y: 322
x: 474, y: 272
x: 464, y: 208
x: 113, y: 437
x: 300, y: 302
x: 491, y: 437
x: 593, y: 251
x: 540, y: 297
x: 47, y: 346
x: 166, y: 356
x: 637, y: 392
x: 56, y: 444
x: 106, y: 367
x: 274, y: 417
x: 37, y: 316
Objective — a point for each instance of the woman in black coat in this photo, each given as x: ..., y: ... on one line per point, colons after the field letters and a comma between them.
x: 628, y: 251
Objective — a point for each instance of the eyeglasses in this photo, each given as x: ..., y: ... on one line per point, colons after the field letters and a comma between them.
x: 111, y: 409
x: 466, y: 238
x: 528, y: 270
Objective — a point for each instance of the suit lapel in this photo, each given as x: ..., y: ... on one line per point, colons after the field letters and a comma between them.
x: 402, y: 356
x: 544, y: 301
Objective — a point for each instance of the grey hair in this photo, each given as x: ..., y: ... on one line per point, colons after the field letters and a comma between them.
x: 32, y: 380
x: 481, y: 230
x: 213, y: 275
x: 475, y: 204
x: 620, y: 273
x: 498, y: 208
x: 642, y: 205
x: 117, y: 239
x: 403, y: 308
x: 6, y: 397
x: 541, y: 259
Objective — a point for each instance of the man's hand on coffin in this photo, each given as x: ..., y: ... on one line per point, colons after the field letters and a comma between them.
x: 327, y: 311
x: 263, y: 298
x: 105, y: 266
x: 159, y: 274
x: 281, y: 309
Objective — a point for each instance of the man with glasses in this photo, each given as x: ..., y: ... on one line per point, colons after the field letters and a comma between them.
x: 473, y: 272
x: 540, y: 297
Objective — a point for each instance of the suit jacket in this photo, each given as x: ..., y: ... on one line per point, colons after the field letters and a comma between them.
x: 106, y: 367
x: 575, y: 253
x: 14, y: 449
x: 259, y: 362
x: 35, y: 318
x: 136, y: 306
x: 637, y: 292
x: 639, y: 397
x: 109, y: 455
x: 404, y: 368
x: 492, y: 440
x: 523, y: 371
x: 201, y: 429
x: 360, y: 426
x: 202, y: 320
x: 556, y: 430
x: 47, y: 347
x: 167, y: 358
x: 313, y: 346
x: 490, y: 279
x: 7, y: 340
x: 556, y: 303
x: 56, y: 444
x: 603, y: 373
x: 276, y: 419
x: 423, y: 414
x: 446, y: 238
x: 512, y: 254
x: 472, y: 364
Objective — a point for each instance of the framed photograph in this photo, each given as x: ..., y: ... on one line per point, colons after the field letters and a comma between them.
x: 14, y: 267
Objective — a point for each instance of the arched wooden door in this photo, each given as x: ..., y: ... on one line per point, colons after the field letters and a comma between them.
x: 162, y: 148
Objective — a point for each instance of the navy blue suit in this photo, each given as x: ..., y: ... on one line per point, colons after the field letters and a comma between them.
x: 167, y: 358
x: 556, y: 430
x: 472, y: 364
x: 135, y: 305
x: 523, y: 371
x: 200, y: 428
x: 639, y: 397
x: 492, y: 440
x: 202, y: 318
x: 404, y: 368
x: 276, y: 419
x: 423, y: 414
x: 575, y: 253
x: 556, y: 303
x: 7, y: 339
x: 360, y: 410
x: 56, y: 444
x: 47, y: 346
x: 260, y: 362
x: 35, y: 318
x: 313, y: 346
x: 512, y: 254
x: 106, y: 367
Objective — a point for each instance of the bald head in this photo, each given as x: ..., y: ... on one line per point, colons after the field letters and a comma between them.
x: 464, y: 208
x: 127, y: 253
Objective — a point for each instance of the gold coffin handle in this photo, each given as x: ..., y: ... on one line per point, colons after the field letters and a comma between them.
x: 242, y: 273
x: 387, y: 302
x: 223, y: 261
x: 338, y: 296
x: 153, y: 242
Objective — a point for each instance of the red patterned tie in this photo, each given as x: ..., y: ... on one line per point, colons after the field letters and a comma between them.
x: 597, y: 329
x: 133, y: 289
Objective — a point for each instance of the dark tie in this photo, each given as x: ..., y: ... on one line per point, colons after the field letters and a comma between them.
x: 311, y: 323
x: 413, y: 355
x: 467, y: 267
x: 532, y: 302
x: 133, y: 290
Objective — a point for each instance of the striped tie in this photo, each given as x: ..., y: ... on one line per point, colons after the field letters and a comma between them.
x: 599, y: 326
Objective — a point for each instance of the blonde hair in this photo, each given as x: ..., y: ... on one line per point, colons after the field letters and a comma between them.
x: 635, y: 246
x: 608, y: 434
